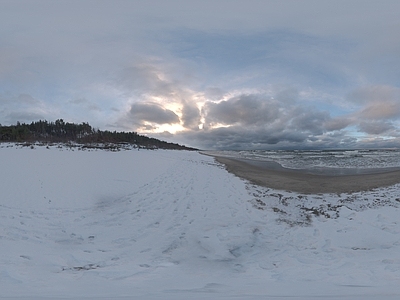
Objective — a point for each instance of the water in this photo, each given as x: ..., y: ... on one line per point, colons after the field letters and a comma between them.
x: 306, y: 159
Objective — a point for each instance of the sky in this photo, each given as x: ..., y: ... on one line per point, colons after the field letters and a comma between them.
x: 220, y: 74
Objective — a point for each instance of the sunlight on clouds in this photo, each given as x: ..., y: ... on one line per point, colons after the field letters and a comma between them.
x: 218, y: 125
x: 271, y: 115
x: 171, y: 128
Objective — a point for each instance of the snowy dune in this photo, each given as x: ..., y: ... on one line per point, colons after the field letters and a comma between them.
x: 161, y: 224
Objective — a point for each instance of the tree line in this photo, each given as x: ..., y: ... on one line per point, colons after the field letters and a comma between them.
x: 60, y: 131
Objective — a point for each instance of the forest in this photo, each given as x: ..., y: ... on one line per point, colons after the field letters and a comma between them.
x: 65, y: 132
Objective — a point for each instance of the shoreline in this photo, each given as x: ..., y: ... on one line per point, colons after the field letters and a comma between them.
x: 273, y: 175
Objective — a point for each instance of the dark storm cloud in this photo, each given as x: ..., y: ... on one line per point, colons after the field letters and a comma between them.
x: 190, y: 115
x: 152, y: 112
x: 254, y: 121
x: 310, y: 121
x: 261, y: 111
x: 243, y: 109
x: 257, y: 121
x: 236, y: 137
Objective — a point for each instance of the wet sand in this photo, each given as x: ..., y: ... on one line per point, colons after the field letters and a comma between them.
x: 310, y: 181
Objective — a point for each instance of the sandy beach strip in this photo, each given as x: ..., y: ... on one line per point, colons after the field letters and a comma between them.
x: 274, y: 176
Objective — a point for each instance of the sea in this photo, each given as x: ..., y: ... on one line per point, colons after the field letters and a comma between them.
x: 313, y: 159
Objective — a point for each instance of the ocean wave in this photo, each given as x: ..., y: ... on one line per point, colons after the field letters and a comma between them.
x: 300, y: 159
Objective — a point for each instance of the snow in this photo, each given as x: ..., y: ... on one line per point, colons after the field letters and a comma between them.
x: 158, y: 224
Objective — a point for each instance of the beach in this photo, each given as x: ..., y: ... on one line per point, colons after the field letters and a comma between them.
x: 272, y: 175
x: 83, y: 223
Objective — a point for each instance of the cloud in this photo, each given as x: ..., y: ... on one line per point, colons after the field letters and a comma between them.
x: 377, y: 107
x: 23, y: 117
x: 158, y: 97
x: 191, y: 117
x: 237, y: 137
x: 374, y: 94
x: 88, y: 105
x: 244, y: 109
x: 260, y: 110
x: 153, y: 113
x: 214, y: 93
x: 27, y: 99
x: 21, y: 99
x: 79, y: 101
x: 381, y: 110
x: 309, y: 121
x: 378, y: 102
x: 21, y: 108
x: 144, y: 79
x: 338, y: 123
x: 256, y: 121
x: 259, y: 121
x: 375, y: 127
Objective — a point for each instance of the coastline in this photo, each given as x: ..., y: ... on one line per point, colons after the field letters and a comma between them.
x: 273, y: 175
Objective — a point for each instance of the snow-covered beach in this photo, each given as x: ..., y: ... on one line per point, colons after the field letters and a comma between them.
x: 85, y: 224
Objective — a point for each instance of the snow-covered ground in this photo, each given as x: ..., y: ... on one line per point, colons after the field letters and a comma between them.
x: 162, y: 224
